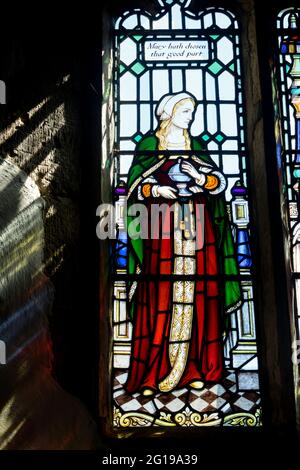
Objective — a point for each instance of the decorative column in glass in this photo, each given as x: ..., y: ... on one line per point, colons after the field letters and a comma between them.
x: 290, y: 47
x: 122, y: 328
x: 242, y: 344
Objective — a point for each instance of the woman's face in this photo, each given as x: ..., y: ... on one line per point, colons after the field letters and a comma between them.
x: 183, y: 115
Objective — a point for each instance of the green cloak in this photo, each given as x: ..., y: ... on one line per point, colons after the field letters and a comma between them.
x: 145, y: 164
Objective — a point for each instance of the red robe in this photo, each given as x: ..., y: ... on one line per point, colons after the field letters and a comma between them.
x: 150, y: 362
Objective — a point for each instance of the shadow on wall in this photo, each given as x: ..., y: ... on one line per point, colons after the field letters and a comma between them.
x: 40, y: 150
x: 30, y: 394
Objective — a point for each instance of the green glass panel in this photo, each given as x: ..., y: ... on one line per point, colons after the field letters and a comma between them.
x: 121, y: 68
x: 214, y: 36
x: 219, y: 138
x: 215, y: 67
x: 231, y: 67
x: 205, y: 137
x: 137, y: 138
x: 137, y: 38
x: 138, y: 68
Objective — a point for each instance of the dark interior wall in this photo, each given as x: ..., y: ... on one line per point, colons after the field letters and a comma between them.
x: 50, y: 129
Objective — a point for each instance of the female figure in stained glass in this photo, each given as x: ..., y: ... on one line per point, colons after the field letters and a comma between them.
x: 179, y: 306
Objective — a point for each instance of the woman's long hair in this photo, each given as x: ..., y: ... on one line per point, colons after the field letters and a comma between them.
x: 163, y: 130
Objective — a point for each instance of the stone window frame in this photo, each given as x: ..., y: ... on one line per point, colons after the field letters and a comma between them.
x: 272, y: 309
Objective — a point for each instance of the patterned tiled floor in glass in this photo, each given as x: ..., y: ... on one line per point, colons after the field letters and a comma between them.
x: 222, y: 397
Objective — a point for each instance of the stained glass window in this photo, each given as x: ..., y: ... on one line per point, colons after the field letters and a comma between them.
x: 184, y: 346
x: 286, y: 92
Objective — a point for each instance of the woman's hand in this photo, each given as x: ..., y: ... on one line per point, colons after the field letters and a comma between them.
x: 191, y: 170
x: 167, y: 192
